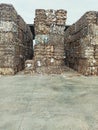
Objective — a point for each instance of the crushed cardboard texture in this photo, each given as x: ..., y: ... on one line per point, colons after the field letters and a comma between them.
x: 81, y: 44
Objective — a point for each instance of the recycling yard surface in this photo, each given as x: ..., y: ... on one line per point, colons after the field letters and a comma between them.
x: 49, y: 102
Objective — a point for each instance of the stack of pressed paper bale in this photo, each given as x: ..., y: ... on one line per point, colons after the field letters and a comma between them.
x: 81, y: 44
x: 15, y: 41
x: 49, y: 54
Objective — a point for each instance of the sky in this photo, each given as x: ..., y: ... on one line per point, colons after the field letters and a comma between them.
x: 75, y: 8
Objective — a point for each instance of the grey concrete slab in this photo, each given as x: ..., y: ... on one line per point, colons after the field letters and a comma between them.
x: 56, y: 102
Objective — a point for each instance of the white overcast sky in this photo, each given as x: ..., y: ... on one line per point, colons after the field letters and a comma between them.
x: 75, y: 8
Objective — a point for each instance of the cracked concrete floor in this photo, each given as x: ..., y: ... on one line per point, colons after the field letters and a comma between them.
x: 56, y: 102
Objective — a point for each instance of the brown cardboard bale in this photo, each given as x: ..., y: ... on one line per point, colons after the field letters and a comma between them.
x: 81, y: 40
x: 87, y: 67
x: 16, y: 44
x: 7, y: 13
x: 7, y: 71
x: 49, y: 52
x: 50, y: 21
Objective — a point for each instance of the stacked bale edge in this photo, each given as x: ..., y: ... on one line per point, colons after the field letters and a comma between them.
x: 49, y: 52
x: 81, y: 44
x: 15, y: 41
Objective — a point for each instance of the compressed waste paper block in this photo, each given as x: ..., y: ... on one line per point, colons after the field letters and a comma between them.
x: 61, y: 13
x: 55, y: 39
x: 51, y: 17
x: 16, y: 40
x: 96, y: 52
x: 87, y: 52
x: 49, y: 53
x: 50, y: 21
x: 21, y: 23
x: 55, y: 29
x: 40, y: 13
x: 81, y: 40
x: 7, y: 13
x: 41, y: 28
x: 7, y: 71
x: 88, y: 67
x: 8, y: 37
x: 8, y: 26
x: 42, y: 39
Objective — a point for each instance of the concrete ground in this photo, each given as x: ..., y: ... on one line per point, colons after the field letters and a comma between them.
x: 57, y: 102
